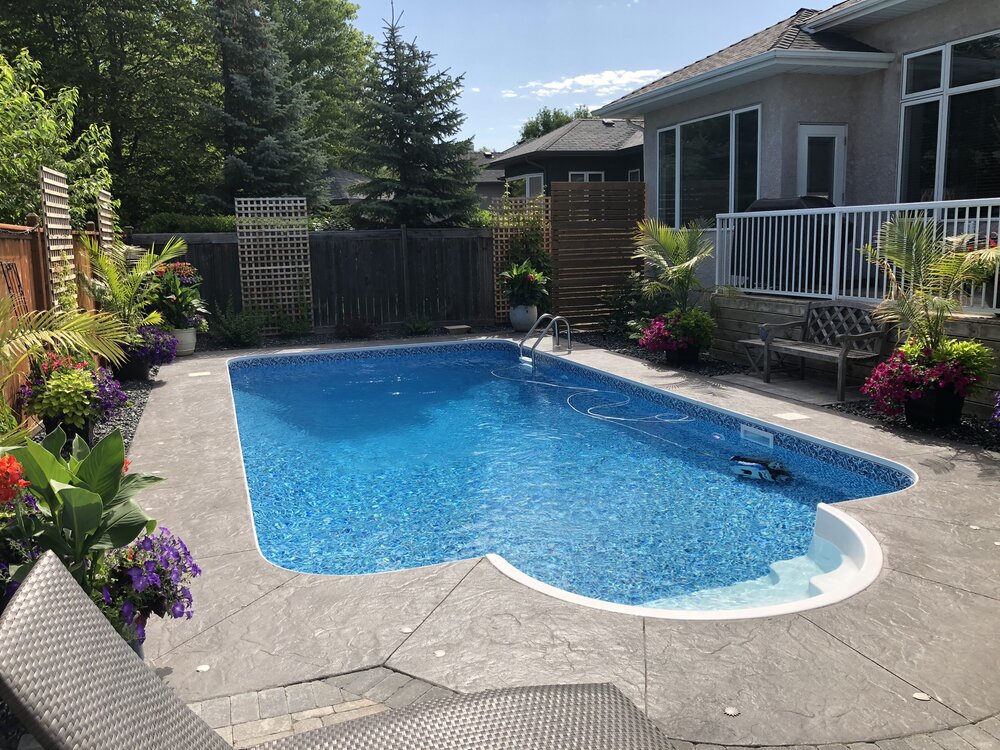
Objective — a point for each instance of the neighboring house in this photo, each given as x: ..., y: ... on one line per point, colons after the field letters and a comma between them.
x: 590, y: 150
x: 340, y: 184
x: 868, y: 102
x: 489, y: 180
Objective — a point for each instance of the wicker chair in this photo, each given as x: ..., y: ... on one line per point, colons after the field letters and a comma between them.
x: 75, y: 683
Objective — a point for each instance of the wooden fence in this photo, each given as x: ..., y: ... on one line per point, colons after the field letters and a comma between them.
x: 593, y: 224
x: 380, y: 276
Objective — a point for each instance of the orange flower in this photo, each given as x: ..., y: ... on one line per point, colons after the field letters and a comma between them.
x: 11, y: 479
x: 125, y: 465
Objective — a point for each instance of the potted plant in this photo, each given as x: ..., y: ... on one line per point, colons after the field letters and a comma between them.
x: 179, y: 301
x: 63, y: 390
x: 927, y: 378
x: 151, y: 347
x: 679, y: 335
x: 83, y: 509
x: 673, y: 257
x: 525, y: 288
x: 127, y: 289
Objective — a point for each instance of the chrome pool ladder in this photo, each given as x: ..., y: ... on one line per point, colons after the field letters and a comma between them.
x: 551, y: 323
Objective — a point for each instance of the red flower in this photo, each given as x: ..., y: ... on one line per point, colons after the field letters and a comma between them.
x: 126, y: 465
x: 11, y: 479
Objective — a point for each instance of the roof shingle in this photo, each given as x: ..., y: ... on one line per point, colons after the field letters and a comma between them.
x: 580, y: 135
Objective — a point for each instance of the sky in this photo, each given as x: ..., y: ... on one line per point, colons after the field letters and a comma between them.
x: 521, y: 55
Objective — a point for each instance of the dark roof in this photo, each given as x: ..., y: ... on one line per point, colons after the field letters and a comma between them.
x: 339, y: 183
x: 785, y: 35
x: 579, y: 135
x: 483, y: 161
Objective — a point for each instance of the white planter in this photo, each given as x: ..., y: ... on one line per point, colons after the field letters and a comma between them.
x: 186, y: 340
x: 522, y: 317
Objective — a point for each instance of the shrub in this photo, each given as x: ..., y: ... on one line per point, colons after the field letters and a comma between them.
x: 630, y: 304
x: 679, y: 331
x: 241, y: 329
x: 176, y: 223
x: 418, y: 327
x: 290, y: 325
x: 524, y: 285
x: 355, y: 328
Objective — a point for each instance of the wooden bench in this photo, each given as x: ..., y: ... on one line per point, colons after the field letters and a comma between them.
x: 829, y: 332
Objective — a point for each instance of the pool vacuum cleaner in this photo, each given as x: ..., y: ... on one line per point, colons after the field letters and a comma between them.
x: 759, y: 468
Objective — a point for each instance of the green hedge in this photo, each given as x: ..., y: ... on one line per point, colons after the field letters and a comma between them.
x: 164, y: 223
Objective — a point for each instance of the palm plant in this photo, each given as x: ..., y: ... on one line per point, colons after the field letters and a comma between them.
x: 927, y: 273
x: 674, y: 255
x: 126, y: 288
x: 62, y: 331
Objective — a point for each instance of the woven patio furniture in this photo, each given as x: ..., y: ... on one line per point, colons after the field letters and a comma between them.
x: 75, y: 683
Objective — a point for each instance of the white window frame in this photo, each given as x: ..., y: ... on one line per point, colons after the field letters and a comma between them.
x: 731, y: 113
x: 527, y: 181
x: 638, y: 175
x: 586, y: 176
x: 941, y: 95
x: 839, y: 133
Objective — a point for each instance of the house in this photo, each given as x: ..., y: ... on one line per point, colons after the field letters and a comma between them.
x: 488, y: 180
x: 341, y: 185
x: 867, y: 102
x: 584, y: 150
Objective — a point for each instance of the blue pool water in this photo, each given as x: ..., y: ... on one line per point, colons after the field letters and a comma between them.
x: 366, y: 462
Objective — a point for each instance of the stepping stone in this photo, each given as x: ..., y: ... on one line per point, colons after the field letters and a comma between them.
x: 457, y: 330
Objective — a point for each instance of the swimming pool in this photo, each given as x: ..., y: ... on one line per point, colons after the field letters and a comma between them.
x: 362, y: 461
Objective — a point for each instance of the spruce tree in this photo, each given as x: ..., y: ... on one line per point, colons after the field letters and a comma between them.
x: 268, y: 150
x: 421, y: 175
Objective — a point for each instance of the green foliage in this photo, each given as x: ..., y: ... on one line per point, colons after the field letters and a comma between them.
x: 630, y: 303
x: 926, y: 273
x: 67, y: 395
x: 697, y: 325
x: 177, y: 304
x: 355, y: 328
x: 126, y: 289
x: 418, y: 327
x: 85, y: 502
x: 546, y: 120
x: 480, y: 219
x: 178, y: 223
x: 674, y: 256
x: 421, y: 175
x: 37, y: 130
x: 331, y: 219
x: 975, y: 358
x: 266, y: 141
x: 242, y: 329
x: 524, y: 285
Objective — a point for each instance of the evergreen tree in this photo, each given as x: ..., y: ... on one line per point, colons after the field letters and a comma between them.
x: 546, y: 120
x: 421, y: 174
x: 267, y: 147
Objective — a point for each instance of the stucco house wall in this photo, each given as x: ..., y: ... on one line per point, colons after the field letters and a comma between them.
x: 868, y: 104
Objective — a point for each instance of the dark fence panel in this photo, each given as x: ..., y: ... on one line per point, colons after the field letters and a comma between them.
x: 380, y: 276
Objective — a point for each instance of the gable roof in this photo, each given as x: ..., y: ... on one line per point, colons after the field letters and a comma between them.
x: 850, y: 15
x: 485, y: 172
x: 583, y: 135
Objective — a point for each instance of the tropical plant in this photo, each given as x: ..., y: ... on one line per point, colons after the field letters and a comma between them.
x: 674, y: 256
x: 178, y: 302
x: 679, y: 330
x: 79, y: 507
x: 523, y: 285
x: 124, y: 288
x: 926, y: 274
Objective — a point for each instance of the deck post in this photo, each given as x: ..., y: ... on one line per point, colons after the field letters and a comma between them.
x: 838, y: 241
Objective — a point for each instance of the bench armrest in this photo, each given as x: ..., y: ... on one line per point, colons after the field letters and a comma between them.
x: 769, y: 329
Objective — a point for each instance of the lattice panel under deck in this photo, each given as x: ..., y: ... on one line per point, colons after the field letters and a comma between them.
x: 273, y: 238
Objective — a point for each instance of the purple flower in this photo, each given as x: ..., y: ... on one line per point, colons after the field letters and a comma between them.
x: 155, y: 347
x: 140, y: 632
x: 128, y: 612
x: 106, y: 595
x: 177, y: 610
x: 139, y: 580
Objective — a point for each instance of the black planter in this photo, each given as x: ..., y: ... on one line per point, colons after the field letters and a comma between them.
x: 87, y: 432
x: 940, y: 407
x: 686, y: 356
x: 131, y: 370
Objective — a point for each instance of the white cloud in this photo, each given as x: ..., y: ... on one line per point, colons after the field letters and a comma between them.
x: 508, y: 94
x: 475, y: 89
x: 605, y: 84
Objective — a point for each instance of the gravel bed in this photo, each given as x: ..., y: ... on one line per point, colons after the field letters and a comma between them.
x: 971, y: 431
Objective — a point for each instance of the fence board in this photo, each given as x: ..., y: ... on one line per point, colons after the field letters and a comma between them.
x: 58, y: 231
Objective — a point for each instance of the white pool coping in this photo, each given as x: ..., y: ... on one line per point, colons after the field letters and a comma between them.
x: 849, y: 535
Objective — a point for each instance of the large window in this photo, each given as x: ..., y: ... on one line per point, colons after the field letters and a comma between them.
x: 708, y: 167
x: 526, y: 186
x: 586, y: 176
x: 950, y: 143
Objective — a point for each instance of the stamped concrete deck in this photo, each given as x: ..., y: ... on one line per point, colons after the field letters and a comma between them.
x: 843, y: 674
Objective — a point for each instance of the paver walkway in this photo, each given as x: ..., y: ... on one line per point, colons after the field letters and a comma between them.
x: 844, y: 674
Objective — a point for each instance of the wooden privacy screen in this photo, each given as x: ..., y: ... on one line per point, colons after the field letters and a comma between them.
x: 593, y: 224
x: 58, y: 233
x: 273, y: 239
x: 105, y: 218
x: 512, y: 217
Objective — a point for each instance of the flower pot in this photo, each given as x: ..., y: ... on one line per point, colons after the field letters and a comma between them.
x: 938, y: 407
x: 522, y: 317
x: 137, y: 647
x: 686, y: 356
x: 86, y: 432
x: 186, y: 340
x: 131, y: 370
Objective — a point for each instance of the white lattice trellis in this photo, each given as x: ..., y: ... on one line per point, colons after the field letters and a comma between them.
x: 58, y: 233
x: 105, y: 218
x: 273, y: 238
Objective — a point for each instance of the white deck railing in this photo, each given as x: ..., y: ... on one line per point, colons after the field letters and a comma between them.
x: 814, y: 252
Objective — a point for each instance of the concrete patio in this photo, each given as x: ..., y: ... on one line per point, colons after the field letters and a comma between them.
x: 844, y: 674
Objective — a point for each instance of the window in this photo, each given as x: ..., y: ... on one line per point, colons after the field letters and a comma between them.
x: 586, y: 176
x: 950, y: 122
x: 526, y: 186
x: 635, y: 175
x: 708, y: 167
